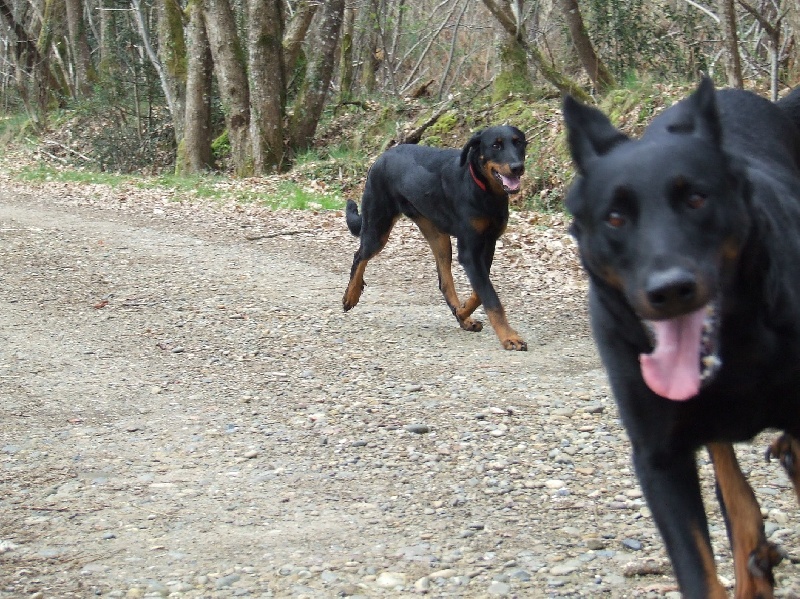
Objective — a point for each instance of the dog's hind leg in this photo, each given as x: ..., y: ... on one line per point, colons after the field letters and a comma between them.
x: 753, y: 556
x: 374, y: 235
x: 442, y: 249
x: 787, y: 450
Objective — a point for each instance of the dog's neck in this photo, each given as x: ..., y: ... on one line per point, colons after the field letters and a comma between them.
x: 478, y: 182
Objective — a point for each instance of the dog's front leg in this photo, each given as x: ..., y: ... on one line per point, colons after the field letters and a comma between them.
x: 670, y: 484
x: 476, y: 255
x: 753, y: 556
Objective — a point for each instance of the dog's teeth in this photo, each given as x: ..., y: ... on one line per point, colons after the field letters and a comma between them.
x: 710, y: 365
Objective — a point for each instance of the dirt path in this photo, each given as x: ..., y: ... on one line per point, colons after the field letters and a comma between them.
x: 186, y: 411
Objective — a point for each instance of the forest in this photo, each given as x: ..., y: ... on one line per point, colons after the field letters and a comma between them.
x: 248, y: 86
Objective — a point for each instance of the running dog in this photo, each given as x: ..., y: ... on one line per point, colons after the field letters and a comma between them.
x: 691, y: 240
x: 447, y: 193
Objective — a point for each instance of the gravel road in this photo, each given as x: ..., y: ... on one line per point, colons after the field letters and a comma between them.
x: 186, y: 411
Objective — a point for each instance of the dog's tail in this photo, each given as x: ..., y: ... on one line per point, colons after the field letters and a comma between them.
x: 353, y: 218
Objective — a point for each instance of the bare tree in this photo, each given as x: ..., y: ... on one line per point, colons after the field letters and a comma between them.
x: 346, y: 60
x: 173, y: 89
x: 511, y: 23
x: 733, y: 62
x: 311, y: 98
x: 31, y: 66
x: 229, y: 67
x: 267, y: 84
x: 79, y: 44
x: 194, y: 150
x: 601, y: 77
x: 109, y: 61
x: 773, y: 31
x: 172, y: 54
x: 296, y: 32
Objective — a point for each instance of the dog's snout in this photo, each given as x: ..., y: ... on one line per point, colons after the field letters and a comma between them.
x: 671, y: 291
x: 517, y: 168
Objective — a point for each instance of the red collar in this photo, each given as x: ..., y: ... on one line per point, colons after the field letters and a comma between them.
x: 478, y: 182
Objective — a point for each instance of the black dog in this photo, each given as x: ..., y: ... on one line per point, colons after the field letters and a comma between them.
x: 447, y: 193
x: 691, y: 239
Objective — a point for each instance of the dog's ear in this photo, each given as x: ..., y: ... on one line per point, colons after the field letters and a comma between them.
x: 589, y: 132
x: 700, y: 115
x: 474, y: 142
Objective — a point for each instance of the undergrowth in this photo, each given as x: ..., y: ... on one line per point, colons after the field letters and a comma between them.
x: 348, y: 141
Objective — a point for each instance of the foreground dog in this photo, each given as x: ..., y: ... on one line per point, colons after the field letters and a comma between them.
x: 463, y: 194
x: 691, y: 239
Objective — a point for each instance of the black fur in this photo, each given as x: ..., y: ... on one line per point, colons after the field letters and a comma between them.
x: 459, y: 193
x: 703, y: 210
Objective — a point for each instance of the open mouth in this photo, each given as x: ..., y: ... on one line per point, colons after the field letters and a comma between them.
x: 685, y: 353
x: 510, y: 184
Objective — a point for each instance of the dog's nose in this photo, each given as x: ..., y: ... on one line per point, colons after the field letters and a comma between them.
x: 671, y: 291
x: 517, y: 168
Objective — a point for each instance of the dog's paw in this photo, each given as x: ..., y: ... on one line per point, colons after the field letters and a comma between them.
x: 515, y: 343
x: 763, y: 559
x: 474, y: 326
x: 783, y: 449
x: 352, y: 295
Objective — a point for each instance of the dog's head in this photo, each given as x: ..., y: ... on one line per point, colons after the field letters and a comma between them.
x: 497, y: 155
x: 663, y: 220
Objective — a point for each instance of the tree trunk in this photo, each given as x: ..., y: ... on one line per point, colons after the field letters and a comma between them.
x: 346, y: 60
x: 311, y: 98
x: 172, y: 55
x: 267, y: 85
x: 503, y: 13
x: 109, y: 61
x: 194, y: 150
x: 296, y: 33
x: 372, y: 60
x: 733, y: 63
x: 601, y: 77
x: 513, y: 76
x: 229, y: 67
x: 81, y: 53
x: 31, y: 62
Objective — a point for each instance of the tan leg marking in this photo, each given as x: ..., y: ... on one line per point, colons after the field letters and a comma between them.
x: 509, y: 338
x: 753, y: 556
x: 442, y: 249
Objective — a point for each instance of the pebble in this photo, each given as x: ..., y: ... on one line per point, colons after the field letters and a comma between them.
x: 418, y: 429
x: 632, y: 544
x: 499, y: 588
x: 422, y: 585
x: 390, y: 579
x: 446, y: 573
x: 226, y: 581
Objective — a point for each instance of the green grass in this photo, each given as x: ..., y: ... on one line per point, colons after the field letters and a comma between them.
x: 13, y: 126
x: 44, y: 172
x: 286, y: 194
x: 291, y: 195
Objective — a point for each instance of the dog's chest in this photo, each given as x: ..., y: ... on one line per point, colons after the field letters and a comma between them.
x: 489, y: 226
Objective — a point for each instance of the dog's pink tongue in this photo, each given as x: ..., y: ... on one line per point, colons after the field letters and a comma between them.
x: 510, y: 183
x: 672, y: 370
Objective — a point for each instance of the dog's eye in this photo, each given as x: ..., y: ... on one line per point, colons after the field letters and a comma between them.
x: 497, y: 145
x: 695, y: 201
x: 615, y: 219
